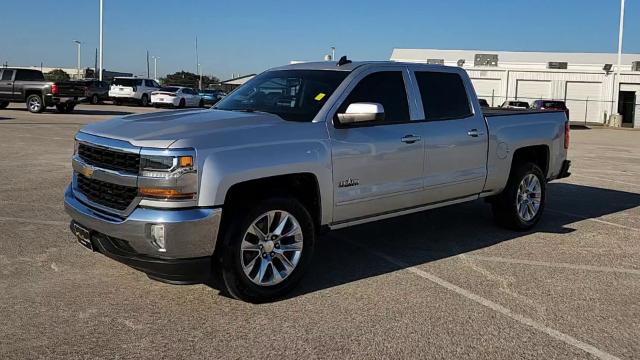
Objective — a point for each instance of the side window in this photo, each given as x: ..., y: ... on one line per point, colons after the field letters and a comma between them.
x: 155, y: 84
x: 7, y: 75
x: 148, y: 83
x: 138, y: 82
x: 386, y: 88
x: 443, y: 95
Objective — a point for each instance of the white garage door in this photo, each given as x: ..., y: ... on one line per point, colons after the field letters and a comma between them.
x: 530, y: 90
x: 489, y: 89
x: 583, y: 101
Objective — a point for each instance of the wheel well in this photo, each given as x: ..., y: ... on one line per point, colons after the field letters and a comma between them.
x: 538, y: 154
x: 31, y: 92
x: 302, y: 186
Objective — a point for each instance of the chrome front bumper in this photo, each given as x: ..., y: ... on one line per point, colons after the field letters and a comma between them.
x: 189, y: 233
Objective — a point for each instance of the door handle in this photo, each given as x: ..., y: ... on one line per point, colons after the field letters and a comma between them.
x: 474, y: 133
x: 410, y: 139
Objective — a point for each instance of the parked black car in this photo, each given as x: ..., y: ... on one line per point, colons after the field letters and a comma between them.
x: 29, y: 86
x: 95, y: 90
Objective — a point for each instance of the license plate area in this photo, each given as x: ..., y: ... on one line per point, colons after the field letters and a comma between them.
x: 83, y: 235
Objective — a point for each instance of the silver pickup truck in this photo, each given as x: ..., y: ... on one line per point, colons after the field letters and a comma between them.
x: 241, y: 191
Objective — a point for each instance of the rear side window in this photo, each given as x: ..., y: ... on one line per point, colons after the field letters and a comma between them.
x: 29, y: 75
x: 386, y: 88
x: 443, y: 95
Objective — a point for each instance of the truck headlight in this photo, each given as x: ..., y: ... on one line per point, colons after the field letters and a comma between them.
x: 170, y: 178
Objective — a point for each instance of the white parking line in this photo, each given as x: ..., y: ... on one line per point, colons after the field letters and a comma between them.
x: 34, y: 221
x: 568, y: 339
x: 593, y: 219
x: 548, y: 264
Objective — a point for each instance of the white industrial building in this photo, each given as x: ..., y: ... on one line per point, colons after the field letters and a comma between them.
x: 586, y: 81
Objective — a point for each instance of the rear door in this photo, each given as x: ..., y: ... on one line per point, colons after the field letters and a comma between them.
x: 6, y: 84
x: 456, y: 137
x: 376, y: 168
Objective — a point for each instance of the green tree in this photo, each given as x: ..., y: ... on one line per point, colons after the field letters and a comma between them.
x: 188, y: 79
x: 56, y: 75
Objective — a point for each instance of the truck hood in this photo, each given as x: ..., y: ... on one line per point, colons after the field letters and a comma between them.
x: 161, y: 129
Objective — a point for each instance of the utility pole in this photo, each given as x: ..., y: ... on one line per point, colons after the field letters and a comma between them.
x: 148, y: 74
x: 79, y: 65
x: 333, y: 53
x: 101, y: 45
x: 620, y: 33
x: 95, y: 64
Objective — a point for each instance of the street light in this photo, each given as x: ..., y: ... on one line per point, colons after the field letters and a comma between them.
x: 155, y: 67
x: 79, y: 45
x: 101, y: 8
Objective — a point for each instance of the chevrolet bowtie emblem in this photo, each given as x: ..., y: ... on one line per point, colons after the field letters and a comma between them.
x: 87, y: 171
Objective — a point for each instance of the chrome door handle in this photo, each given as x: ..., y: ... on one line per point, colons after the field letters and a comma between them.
x: 410, y: 139
x: 474, y: 133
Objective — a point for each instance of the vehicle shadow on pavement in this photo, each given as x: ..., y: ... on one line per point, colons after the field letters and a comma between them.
x: 349, y: 255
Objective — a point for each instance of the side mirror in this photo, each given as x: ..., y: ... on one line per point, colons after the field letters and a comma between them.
x: 362, y: 112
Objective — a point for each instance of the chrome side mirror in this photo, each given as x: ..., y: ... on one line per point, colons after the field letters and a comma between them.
x: 362, y: 112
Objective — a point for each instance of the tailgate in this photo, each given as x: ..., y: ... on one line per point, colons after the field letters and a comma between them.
x: 70, y: 89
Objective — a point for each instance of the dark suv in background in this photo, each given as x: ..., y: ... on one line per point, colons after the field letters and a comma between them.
x: 551, y: 105
x: 95, y: 90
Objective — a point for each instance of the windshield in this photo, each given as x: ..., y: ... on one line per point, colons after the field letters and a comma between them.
x: 294, y: 95
x: 127, y: 82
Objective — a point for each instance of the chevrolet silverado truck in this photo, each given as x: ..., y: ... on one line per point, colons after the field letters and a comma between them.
x: 241, y: 191
x: 29, y: 86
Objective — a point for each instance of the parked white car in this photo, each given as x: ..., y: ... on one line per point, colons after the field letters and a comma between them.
x: 132, y: 89
x: 176, y: 96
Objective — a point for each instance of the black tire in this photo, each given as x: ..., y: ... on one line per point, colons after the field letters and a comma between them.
x: 201, y: 104
x: 144, y: 101
x: 181, y: 104
x: 4, y: 104
x: 504, y: 206
x: 35, y: 104
x: 65, y: 108
x: 95, y: 99
x: 117, y: 102
x: 237, y: 284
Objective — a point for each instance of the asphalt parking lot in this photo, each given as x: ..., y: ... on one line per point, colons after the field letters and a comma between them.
x: 446, y: 283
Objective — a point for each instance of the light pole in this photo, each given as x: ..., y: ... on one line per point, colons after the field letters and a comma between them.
x: 101, y: 13
x: 79, y: 45
x: 200, y: 82
x: 333, y: 53
x: 620, y: 33
x: 155, y: 67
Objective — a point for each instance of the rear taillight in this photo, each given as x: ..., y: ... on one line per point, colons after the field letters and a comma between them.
x: 566, y: 134
x: 54, y: 89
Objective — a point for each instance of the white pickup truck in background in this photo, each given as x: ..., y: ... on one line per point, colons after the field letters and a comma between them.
x: 241, y: 191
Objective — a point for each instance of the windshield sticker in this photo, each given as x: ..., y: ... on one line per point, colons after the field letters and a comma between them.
x: 320, y: 96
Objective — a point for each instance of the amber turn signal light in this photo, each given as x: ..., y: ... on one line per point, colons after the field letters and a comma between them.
x: 165, y: 194
x: 185, y: 161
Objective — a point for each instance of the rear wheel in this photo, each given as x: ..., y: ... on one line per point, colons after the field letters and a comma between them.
x: 35, y: 103
x: 522, y: 202
x: 267, y: 249
x: 181, y: 104
x: 4, y: 104
x: 95, y: 99
x: 144, y: 101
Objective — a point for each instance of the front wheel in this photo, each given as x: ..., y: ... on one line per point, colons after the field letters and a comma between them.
x: 35, y: 103
x: 267, y: 249
x: 95, y: 99
x: 522, y: 202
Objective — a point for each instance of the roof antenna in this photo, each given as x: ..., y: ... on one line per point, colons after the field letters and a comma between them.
x: 344, y: 61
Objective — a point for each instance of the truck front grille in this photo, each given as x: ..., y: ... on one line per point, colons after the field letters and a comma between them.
x: 106, y: 194
x: 109, y: 159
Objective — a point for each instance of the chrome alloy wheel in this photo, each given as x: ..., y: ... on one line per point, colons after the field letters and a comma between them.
x: 529, y: 197
x: 35, y: 104
x: 271, y: 248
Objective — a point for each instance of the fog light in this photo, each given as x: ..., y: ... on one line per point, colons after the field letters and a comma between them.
x: 157, y: 234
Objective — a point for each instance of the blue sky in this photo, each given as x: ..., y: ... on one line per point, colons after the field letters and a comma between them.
x: 253, y: 35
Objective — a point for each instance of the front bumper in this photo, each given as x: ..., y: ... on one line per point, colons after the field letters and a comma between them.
x: 190, y: 234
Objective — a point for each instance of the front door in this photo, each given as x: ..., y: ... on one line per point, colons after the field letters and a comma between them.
x: 456, y: 137
x: 377, y: 165
x: 6, y: 84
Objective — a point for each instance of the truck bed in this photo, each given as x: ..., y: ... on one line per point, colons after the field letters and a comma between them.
x: 503, y: 112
